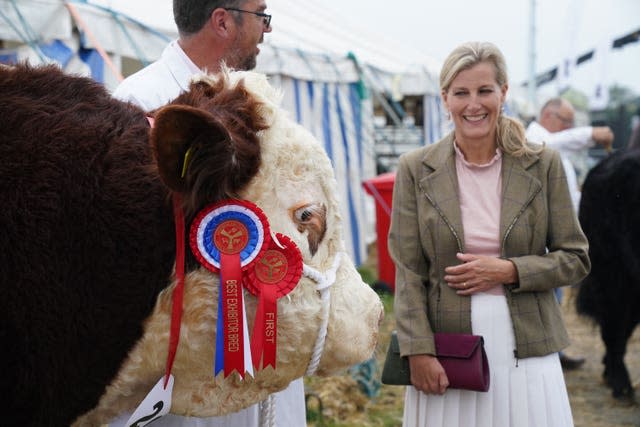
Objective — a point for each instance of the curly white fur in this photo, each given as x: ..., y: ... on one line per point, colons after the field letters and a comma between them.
x: 295, y: 170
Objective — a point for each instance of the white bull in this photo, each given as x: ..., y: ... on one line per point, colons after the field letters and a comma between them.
x: 331, y: 311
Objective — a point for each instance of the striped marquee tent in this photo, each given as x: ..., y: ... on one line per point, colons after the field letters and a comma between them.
x: 329, y: 77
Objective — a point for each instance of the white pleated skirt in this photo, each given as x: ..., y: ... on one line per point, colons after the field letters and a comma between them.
x: 531, y: 394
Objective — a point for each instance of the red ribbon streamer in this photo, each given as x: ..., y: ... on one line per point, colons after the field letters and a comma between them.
x: 231, y: 288
x: 275, y: 274
x: 177, y: 296
x: 265, y: 328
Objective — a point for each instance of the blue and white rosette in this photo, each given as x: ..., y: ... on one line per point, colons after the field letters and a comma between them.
x: 226, y: 238
x: 207, y: 221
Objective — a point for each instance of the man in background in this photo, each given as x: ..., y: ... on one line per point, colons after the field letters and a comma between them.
x: 211, y: 32
x: 555, y: 128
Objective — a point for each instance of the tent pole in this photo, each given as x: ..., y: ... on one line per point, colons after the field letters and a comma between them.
x: 98, y: 47
x: 531, y: 87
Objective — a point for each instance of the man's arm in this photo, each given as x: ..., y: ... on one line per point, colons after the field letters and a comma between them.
x: 580, y: 138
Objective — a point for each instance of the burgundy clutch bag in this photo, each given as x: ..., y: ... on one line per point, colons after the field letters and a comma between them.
x: 464, y: 360
x: 461, y: 355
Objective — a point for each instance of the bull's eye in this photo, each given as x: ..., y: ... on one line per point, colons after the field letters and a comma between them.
x: 311, y: 218
x: 303, y: 214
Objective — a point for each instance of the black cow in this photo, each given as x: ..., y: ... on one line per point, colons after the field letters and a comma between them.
x: 610, y: 217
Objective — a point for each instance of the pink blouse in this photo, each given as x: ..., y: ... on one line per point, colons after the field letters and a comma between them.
x: 480, y: 188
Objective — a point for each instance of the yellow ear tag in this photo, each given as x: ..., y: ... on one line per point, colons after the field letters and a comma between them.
x: 185, y: 162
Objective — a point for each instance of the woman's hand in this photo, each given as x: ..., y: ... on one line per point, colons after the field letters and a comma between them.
x: 427, y: 374
x: 479, y: 273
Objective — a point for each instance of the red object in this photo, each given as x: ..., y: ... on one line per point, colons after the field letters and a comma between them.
x: 381, y: 188
x: 232, y: 312
x: 272, y: 276
x: 463, y: 358
x: 177, y: 295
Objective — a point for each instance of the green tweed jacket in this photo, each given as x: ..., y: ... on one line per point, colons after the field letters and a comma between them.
x: 539, y: 233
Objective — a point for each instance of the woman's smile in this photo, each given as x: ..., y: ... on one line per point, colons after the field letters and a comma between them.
x: 475, y: 117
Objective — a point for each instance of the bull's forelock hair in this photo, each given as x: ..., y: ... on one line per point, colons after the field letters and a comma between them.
x: 191, y: 15
x: 218, y: 170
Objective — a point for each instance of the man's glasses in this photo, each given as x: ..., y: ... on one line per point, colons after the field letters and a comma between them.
x: 266, y: 19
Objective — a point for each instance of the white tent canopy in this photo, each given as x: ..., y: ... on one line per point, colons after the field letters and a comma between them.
x: 305, y: 38
x: 326, y: 69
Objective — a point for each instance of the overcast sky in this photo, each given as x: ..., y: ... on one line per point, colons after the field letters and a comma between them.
x: 435, y: 27
x: 410, y: 30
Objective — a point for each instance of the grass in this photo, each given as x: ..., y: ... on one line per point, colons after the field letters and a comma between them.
x: 340, y: 401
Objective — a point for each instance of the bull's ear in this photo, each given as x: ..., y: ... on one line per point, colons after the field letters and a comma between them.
x: 175, y: 128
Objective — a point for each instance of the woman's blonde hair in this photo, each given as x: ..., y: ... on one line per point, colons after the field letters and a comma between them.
x: 511, y: 134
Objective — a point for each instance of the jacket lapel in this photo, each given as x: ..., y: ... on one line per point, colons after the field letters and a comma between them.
x: 519, y: 187
x: 440, y: 185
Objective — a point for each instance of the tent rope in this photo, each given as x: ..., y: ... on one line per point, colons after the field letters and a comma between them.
x: 81, y: 24
x: 28, y: 37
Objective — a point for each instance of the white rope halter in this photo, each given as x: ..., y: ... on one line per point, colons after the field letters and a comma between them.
x: 268, y: 411
x: 323, y: 285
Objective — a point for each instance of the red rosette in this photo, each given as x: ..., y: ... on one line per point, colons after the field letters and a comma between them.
x: 280, y: 268
x: 275, y: 273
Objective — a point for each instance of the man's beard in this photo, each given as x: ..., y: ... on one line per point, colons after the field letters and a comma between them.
x: 238, y: 59
x: 241, y: 63
x: 248, y: 63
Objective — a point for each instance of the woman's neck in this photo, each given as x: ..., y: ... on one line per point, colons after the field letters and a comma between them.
x: 478, y: 152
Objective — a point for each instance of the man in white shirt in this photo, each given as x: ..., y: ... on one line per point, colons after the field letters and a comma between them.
x: 555, y: 128
x: 210, y: 32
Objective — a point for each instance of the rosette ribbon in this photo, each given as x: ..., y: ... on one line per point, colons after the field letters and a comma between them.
x: 227, y: 238
x: 274, y: 274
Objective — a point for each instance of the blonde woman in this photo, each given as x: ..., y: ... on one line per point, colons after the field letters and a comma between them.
x: 482, y: 231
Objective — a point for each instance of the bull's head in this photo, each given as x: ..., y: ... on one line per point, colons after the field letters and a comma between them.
x: 243, y: 145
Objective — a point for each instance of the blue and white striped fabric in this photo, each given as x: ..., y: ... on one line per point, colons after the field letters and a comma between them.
x: 337, y: 116
x: 81, y: 61
x: 434, y: 119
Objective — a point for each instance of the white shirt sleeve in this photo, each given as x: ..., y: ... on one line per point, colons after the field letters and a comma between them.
x: 575, y: 139
x: 570, y: 140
